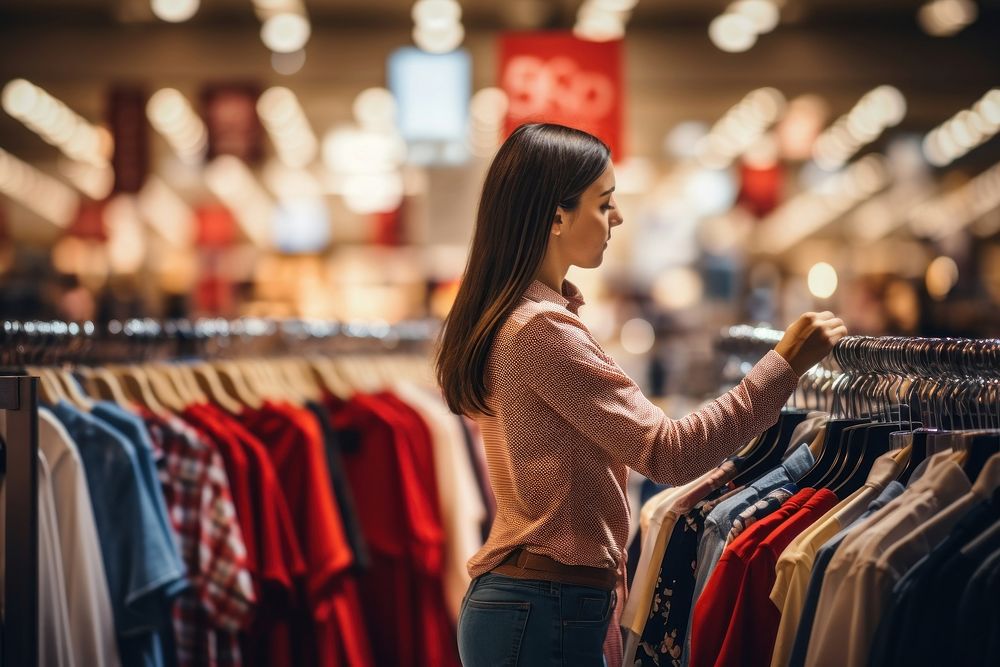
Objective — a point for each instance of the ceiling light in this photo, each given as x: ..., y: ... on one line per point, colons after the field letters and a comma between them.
x: 436, y: 13
x: 174, y: 11
x: 439, y: 40
x: 733, y: 33
x: 822, y: 280
x: 286, y: 32
x: 763, y: 13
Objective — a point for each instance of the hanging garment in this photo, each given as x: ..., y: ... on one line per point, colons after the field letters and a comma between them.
x: 800, y: 646
x: 55, y: 641
x: 437, y: 629
x: 842, y: 631
x: 143, y: 568
x: 793, y: 568
x: 294, y: 442
x: 462, y: 510
x: 719, y: 522
x: 978, y: 616
x: 713, y: 610
x: 209, y: 615
x: 273, y: 553
x: 91, y: 624
x: 398, y: 509
x: 342, y: 487
x: 749, y: 637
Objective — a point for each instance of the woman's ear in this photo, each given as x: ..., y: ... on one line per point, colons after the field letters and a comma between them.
x: 557, y: 222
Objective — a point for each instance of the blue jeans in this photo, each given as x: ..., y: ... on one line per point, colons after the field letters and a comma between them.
x: 529, y: 622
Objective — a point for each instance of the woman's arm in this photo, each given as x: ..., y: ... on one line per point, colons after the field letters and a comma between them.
x: 562, y: 364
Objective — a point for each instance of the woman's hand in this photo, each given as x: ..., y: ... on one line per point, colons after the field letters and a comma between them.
x: 810, y: 338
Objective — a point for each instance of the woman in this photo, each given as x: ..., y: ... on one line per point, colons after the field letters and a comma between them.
x: 561, y: 422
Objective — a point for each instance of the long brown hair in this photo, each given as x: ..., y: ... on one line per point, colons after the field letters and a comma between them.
x: 539, y: 167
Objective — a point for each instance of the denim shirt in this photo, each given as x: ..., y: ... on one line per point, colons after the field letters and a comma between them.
x: 134, y: 429
x: 141, y: 564
x: 720, y: 521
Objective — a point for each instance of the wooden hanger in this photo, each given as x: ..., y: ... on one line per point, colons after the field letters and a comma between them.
x: 104, y: 384
x: 187, y: 375
x: 329, y: 378
x: 49, y: 390
x: 208, y: 379
x: 73, y: 390
x: 235, y: 384
x: 296, y: 373
x: 353, y: 369
x: 164, y: 388
x: 254, y: 375
x: 288, y: 391
x: 136, y: 384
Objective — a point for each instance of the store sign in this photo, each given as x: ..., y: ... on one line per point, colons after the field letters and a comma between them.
x: 230, y: 112
x: 432, y: 93
x: 130, y: 132
x: 555, y: 77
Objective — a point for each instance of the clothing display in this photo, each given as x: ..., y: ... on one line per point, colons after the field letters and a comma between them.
x: 858, y: 548
x: 288, y: 529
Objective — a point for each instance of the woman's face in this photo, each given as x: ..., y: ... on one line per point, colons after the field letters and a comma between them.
x: 583, y: 233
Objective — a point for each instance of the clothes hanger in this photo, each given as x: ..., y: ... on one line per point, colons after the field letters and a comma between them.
x: 280, y: 391
x: 252, y: 371
x: 297, y: 373
x: 104, y: 384
x: 329, y: 378
x: 771, y: 448
x: 232, y: 379
x: 187, y: 375
x: 164, y: 389
x: 208, y: 380
x: 980, y: 447
x: 136, y: 384
x: 49, y: 390
x: 73, y: 389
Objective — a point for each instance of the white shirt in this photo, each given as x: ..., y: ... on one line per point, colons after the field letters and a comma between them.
x: 91, y: 620
x: 462, y: 508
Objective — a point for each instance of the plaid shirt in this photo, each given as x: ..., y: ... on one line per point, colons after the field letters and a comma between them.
x: 209, y: 615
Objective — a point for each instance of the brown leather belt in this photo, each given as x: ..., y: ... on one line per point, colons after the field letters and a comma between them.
x: 521, y: 564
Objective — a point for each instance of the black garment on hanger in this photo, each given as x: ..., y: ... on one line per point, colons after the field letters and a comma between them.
x: 771, y: 446
x: 342, y: 489
x: 913, y: 609
x: 831, y: 448
x: 874, y: 441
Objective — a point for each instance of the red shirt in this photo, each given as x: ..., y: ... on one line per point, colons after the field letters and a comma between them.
x: 436, y: 631
x: 294, y: 442
x: 278, y: 563
x: 391, y: 473
x: 712, y: 611
x: 754, y: 624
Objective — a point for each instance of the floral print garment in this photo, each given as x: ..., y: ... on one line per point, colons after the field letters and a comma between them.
x: 663, y: 637
x: 760, y: 509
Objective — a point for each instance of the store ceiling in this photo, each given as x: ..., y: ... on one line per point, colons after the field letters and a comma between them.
x: 479, y: 13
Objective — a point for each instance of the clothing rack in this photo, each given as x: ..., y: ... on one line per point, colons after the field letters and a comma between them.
x: 18, y: 397
x: 27, y: 343
x: 55, y: 342
x: 945, y: 379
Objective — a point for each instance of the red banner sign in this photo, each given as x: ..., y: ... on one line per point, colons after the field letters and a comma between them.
x: 555, y: 77
x: 230, y: 112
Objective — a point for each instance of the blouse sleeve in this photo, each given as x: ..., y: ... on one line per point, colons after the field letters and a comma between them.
x: 558, y: 360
